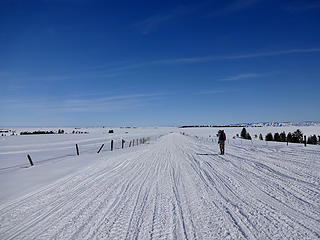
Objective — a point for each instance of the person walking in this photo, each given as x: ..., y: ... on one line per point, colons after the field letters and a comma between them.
x: 221, y: 140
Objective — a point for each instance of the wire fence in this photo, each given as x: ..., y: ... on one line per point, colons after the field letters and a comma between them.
x: 36, y: 157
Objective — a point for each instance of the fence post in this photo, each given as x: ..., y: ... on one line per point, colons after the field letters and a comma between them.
x: 77, y: 149
x: 137, y: 142
x: 305, y: 140
x: 130, y: 144
x: 122, y: 143
x: 287, y: 142
x: 100, y: 148
x: 133, y: 143
x: 111, y: 147
x: 30, y: 160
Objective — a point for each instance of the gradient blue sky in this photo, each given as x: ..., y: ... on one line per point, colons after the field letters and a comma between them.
x: 158, y: 62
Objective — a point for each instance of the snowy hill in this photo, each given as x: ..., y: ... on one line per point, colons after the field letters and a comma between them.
x: 279, y: 124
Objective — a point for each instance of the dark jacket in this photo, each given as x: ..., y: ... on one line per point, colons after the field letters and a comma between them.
x: 222, y: 137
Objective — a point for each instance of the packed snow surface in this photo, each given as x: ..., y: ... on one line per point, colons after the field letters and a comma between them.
x: 175, y: 187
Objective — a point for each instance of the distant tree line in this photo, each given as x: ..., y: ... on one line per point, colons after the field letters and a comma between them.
x: 60, y: 131
x: 37, y: 132
x: 213, y: 126
x: 295, y: 137
x: 5, y: 132
x: 79, y: 132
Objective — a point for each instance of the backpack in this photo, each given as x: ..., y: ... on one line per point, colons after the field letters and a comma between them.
x: 222, y: 137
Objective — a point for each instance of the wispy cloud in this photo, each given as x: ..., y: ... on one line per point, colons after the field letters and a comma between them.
x: 241, y: 56
x: 216, y: 91
x: 109, y: 103
x: 85, y: 104
x: 239, y: 77
x: 151, y: 23
x: 207, y: 92
x: 111, y: 71
x: 20, y: 79
x: 148, y: 25
x: 117, y: 69
x: 274, y: 53
x: 215, y: 58
x: 235, y: 6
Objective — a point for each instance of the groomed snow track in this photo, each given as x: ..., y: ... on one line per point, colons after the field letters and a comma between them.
x: 178, y: 188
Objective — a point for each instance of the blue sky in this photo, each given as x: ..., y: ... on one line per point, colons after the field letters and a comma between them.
x: 90, y: 63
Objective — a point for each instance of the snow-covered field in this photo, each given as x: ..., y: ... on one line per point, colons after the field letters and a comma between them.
x: 54, y: 155
x: 174, y: 187
x: 232, y: 131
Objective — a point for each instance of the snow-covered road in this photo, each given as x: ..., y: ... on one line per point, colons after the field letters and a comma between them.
x: 178, y: 188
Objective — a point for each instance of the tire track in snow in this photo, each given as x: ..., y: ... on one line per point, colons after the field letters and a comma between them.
x: 280, y: 206
x: 169, y: 191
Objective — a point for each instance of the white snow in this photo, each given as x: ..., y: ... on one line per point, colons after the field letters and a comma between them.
x: 174, y: 187
x: 54, y: 155
x: 232, y: 131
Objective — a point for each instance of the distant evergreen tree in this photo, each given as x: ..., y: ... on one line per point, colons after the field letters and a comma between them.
x: 276, y: 137
x: 260, y: 137
x: 289, y: 137
x: 269, y: 137
x: 60, y: 131
x: 312, y: 139
x: 283, y: 137
x: 297, y: 136
x: 248, y: 136
x: 244, y: 133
